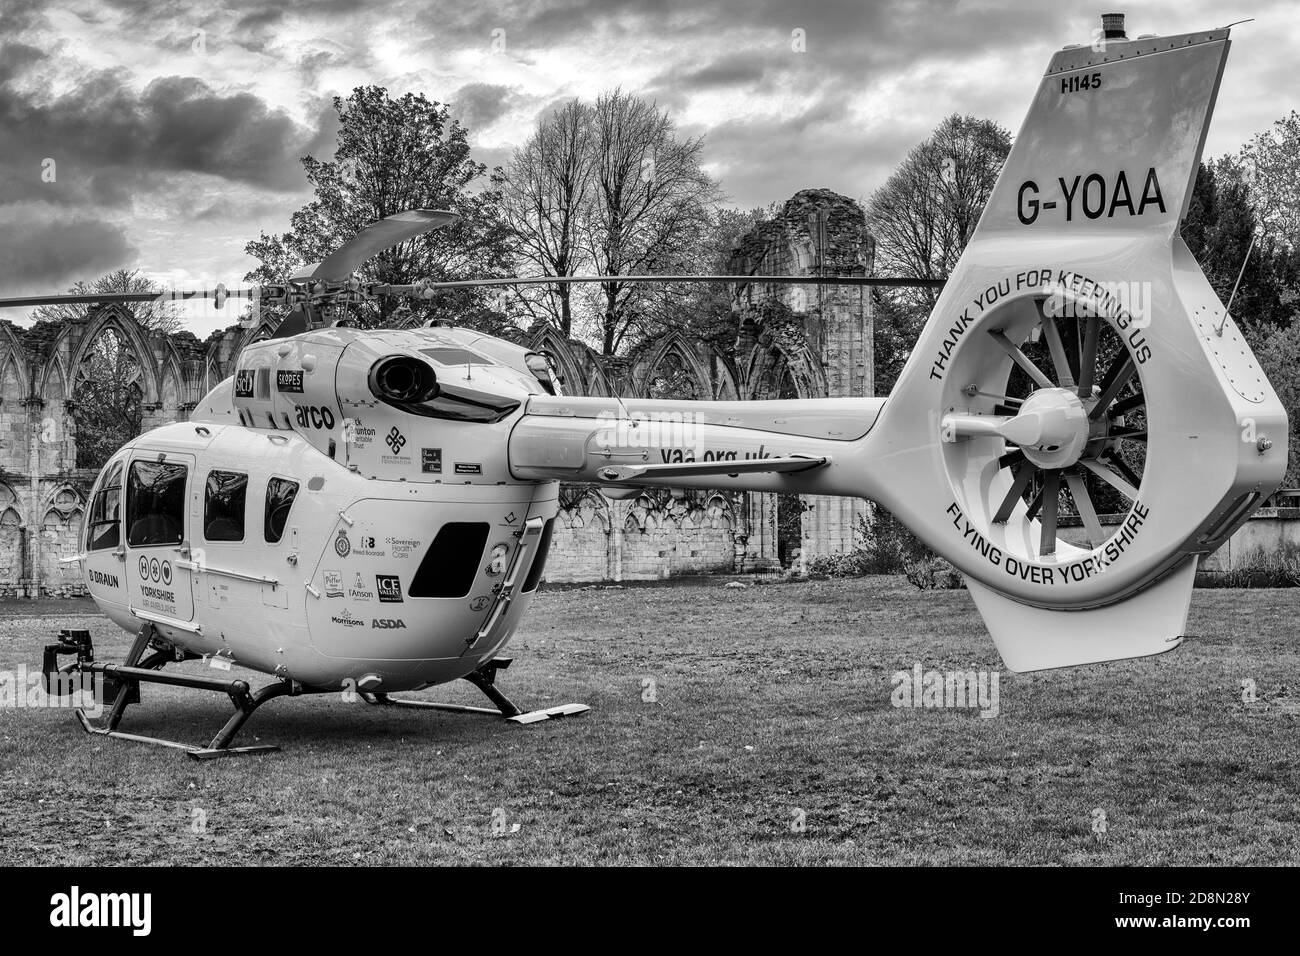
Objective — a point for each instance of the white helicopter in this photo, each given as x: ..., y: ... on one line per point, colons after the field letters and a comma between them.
x: 372, y: 509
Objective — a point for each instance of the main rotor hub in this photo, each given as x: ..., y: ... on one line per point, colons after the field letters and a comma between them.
x: 1052, y: 428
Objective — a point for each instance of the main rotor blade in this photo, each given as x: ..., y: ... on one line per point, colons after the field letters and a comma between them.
x: 1018, y: 485
x: 24, y: 302
x: 1083, y: 503
x: 1021, y: 359
x: 1051, y: 501
x: 885, y: 281
x: 374, y: 239
x: 1064, y: 376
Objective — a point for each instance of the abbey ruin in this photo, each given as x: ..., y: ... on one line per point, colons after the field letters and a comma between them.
x: 790, y: 341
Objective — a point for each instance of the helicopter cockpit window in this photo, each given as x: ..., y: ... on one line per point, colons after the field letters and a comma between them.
x: 155, y: 503
x: 280, y: 493
x: 223, y: 506
x: 104, y: 527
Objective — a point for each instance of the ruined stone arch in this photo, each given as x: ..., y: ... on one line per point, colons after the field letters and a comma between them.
x: 120, y: 321
x: 65, y: 499
x: 767, y: 365
x: 674, y: 346
x: 12, y: 354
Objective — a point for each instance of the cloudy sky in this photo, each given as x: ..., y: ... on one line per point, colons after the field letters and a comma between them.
x: 175, y: 127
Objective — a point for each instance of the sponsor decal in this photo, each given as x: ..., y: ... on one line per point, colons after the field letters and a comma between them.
x: 388, y: 623
x: 366, y: 548
x: 357, y: 432
x: 107, y: 580
x: 345, y: 619
x: 431, y: 461
x: 390, y: 588
x: 342, y: 546
x: 359, y: 591
x: 244, y: 383
x: 468, y: 468
x: 395, y: 440
x: 315, y: 416
x: 333, y: 583
x: 288, y: 380
x: 402, y: 547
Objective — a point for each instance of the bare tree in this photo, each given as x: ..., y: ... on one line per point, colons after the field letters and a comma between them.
x: 157, y: 316
x: 546, y: 186
x: 648, y: 207
x: 926, y: 212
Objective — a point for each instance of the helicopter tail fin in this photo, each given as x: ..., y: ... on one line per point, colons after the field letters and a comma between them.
x: 1033, y: 638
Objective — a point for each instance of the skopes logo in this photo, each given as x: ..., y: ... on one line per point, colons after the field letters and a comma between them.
x: 954, y: 689
x: 129, y: 910
x: 388, y: 624
x: 289, y: 380
x: 390, y: 588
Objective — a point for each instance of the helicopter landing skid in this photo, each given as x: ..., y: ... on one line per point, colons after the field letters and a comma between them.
x: 123, y: 681
x: 484, y: 678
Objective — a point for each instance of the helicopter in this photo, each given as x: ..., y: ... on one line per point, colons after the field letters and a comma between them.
x: 371, y: 510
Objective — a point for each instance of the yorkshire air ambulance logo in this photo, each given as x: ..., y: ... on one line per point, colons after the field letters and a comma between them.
x: 342, y: 546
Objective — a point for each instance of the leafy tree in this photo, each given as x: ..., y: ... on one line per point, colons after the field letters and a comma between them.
x: 1221, y: 221
x: 394, y: 155
x: 1272, y: 163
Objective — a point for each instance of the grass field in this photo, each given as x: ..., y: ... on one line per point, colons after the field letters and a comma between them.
x: 770, y: 701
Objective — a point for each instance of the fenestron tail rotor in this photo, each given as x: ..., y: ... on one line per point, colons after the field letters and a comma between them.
x: 1073, y: 416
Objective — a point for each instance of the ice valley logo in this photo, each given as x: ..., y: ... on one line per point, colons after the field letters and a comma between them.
x: 131, y: 910
x: 390, y: 588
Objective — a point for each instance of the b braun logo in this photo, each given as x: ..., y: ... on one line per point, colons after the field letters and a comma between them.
x: 389, y: 587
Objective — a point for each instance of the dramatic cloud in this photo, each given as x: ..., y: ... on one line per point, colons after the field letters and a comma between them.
x: 38, y: 254
x: 176, y: 126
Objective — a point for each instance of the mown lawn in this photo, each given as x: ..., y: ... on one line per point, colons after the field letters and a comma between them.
x: 771, y: 700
